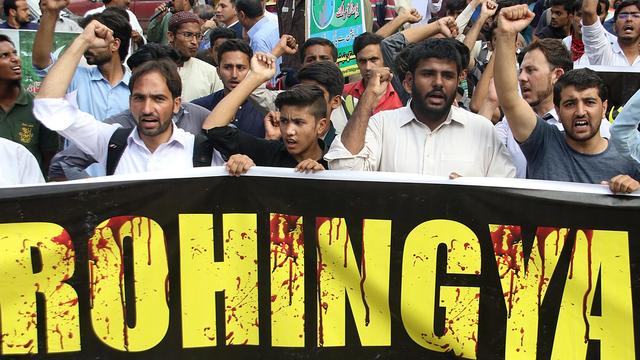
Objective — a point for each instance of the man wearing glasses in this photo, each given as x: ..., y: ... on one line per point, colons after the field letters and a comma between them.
x: 600, y: 51
x: 198, y: 77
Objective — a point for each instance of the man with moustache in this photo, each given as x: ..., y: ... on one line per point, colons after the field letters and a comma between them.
x: 18, y: 16
x: 428, y: 136
x: 198, y: 77
x: 234, y: 63
x: 580, y: 153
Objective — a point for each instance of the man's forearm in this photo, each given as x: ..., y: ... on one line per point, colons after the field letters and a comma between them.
x: 224, y: 113
x: 389, y: 28
x: 482, y: 89
x: 354, y: 133
x: 43, y: 41
x: 506, y: 78
x: 416, y: 34
x: 57, y: 81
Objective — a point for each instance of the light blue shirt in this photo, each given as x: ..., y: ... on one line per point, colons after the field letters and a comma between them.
x: 263, y: 37
x: 95, y: 94
x: 624, y: 132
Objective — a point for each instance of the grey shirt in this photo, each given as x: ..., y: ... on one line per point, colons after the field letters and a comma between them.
x: 549, y: 157
x: 70, y: 163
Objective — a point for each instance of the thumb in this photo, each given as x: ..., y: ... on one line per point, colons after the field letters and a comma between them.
x: 604, y: 182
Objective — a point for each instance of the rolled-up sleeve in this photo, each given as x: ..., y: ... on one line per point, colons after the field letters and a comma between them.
x: 624, y: 132
x: 63, y: 116
x: 596, y: 44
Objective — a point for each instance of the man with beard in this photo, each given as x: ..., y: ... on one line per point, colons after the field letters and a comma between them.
x: 156, y: 143
x: 580, y: 153
x: 597, y: 47
x: 102, y: 89
x: 574, y: 42
x: 17, y: 122
x: 18, y: 16
x: 544, y: 61
x: 198, y: 77
x: 234, y: 59
x: 561, y: 18
x: 369, y: 57
x: 428, y: 136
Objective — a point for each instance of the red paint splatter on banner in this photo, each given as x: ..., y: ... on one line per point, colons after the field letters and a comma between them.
x: 319, y: 222
x: 505, y: 239
x: 65, y: 240
x: 286, y: 238
x: 542, y: 233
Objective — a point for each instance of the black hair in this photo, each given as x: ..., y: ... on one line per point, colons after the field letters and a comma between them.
x: 251, y: 8
x: 557, y: 55
x: 117, y: 20
x: 234, y: 45
x: 567, y: 5
x: 581, y: 79
x: 446, y: 49
x: 365, y: 39
x: 8, y: 5
x: 304, y: 95
x: 624, y: 4
x: 326, y: 74
x: 577, y: 7
x: 318, y: 41
x: 221, y: 33
x: 205, y: 12
x: 5, y: 38
x: 401, y: 65
x: 152, y: 51
x: 602, y: 10
x: 167, y: 69
x: 455, y: 5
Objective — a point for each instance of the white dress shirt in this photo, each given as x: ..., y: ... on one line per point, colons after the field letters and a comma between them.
x: 506, y: 137
x: 600, y: 50
x: 92, y: 137
x: 18, y: 165
x: 396, y: 141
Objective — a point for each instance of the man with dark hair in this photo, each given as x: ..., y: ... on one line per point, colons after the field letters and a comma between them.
x: 18, y: 16
x: 302, y: 120
x: 561, y: 19
x: 366, y: 46
x: 597, y: 47
x: 217, y: 36
x: 226, y: 14
x: 102, y: 89
x: 198, y: 77
x: 574, y: 42
x: 318, y: 49
x: 158, y: 28
x: 579, y: 154
x: 263, y: 33
x: 455, y: 7
x: 234, y: 59
x: 428, y: 136
x: 17, y: 122
x: 137, y: 37
x: 154, y: 144
x: 69, y: 164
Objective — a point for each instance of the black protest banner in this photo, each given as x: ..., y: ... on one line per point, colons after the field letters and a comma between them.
x: 273, y: 268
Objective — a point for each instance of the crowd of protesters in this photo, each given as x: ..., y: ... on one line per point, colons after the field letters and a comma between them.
x: 488, y: 89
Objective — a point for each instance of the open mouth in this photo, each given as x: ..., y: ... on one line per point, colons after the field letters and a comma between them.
x: 581, y: 124
x: 627, y: 29
x: 290, y: 143
x: 17, y: 69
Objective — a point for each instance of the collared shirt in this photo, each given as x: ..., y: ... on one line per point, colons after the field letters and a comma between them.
x: 506, y: 137
x: 263, y: 37
x: 390, y: 100
x: 96, y: 95
x: 92, y: 137
x: 19, y: 125
x: 18, y: 165
x: 198, y: 79
x: 602, y: 52
x: 247, y: 118
x: 396, y: 141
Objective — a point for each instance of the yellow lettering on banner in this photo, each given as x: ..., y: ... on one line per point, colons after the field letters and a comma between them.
x: 419, y: 261
x: 19, y: 284
x: 287, y: 280
x: 367, y: 289
x: 524, y: 286
x: 107, y: 283
x: 201, y: 277
x: 605, y: 253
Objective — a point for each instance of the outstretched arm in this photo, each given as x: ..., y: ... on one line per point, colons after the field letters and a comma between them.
x: 521, y: 118
x: 404, y: 16
x: 262, y: 69
x: 446, y: 25
x: 43, y: 42
x: 56, y: 83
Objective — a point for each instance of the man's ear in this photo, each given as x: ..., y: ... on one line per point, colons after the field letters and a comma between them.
x: 322, y: 126
x: 336, y: 101
x: 176, y: 104
x: 408, y: 79
x: 605, y: 106
x: 170, y: 37
x: 115, y: 45
x: 557, y: 72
